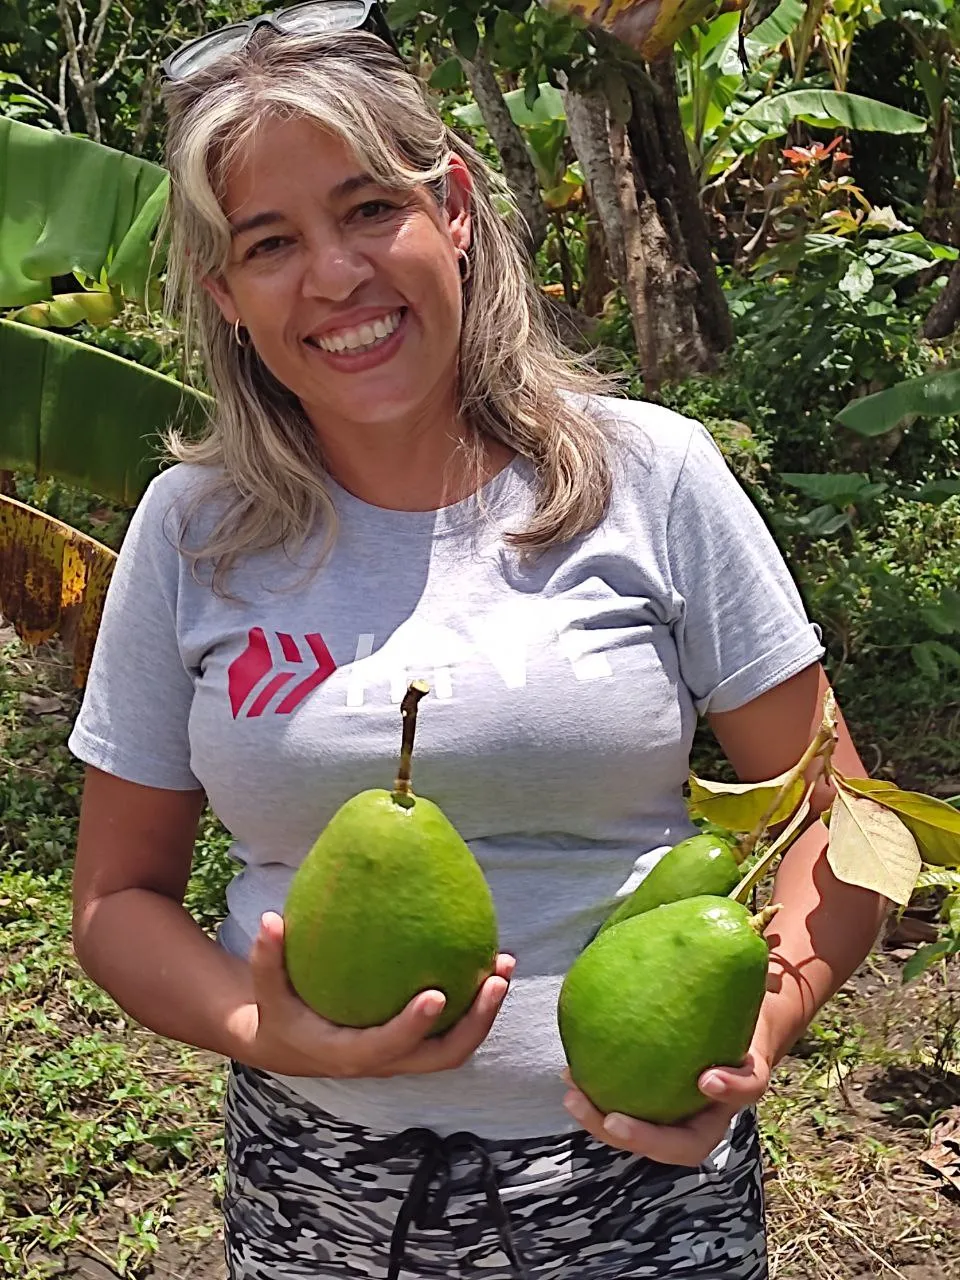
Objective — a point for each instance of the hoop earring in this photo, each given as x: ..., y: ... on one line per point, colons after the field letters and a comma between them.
x: 466, y: 266
x: 236, y: 335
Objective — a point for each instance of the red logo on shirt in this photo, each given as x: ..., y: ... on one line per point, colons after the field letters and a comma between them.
x: 268, y: 665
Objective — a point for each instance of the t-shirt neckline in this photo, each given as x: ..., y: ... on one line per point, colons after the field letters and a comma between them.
x: 439, y: 522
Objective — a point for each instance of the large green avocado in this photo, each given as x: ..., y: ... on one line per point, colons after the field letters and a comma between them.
x: 700, y: 864
x: 389, y: 902
x: 656, y: 1000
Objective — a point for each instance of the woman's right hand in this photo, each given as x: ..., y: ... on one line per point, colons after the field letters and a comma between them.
x: 288, y: 1038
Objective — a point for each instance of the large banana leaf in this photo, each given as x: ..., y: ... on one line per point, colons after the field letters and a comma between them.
x: 66, y: 202
x: 84, y: 415
x: 829, y: 109
x: 937, y: 396
x: 52, y: 581
x: 822, y: 108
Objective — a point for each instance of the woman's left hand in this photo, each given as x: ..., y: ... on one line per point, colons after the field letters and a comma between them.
x: 689, y: 1143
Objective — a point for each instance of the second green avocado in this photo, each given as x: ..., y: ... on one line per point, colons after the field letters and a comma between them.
x: 389, y: 902
x: 700, y: 864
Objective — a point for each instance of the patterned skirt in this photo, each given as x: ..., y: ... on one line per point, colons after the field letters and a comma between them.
x: 311, y: 1198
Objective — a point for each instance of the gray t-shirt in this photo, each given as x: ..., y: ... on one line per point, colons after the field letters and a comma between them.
x: 556, y: 738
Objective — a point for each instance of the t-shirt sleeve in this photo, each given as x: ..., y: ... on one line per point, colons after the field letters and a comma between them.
x: 742, y: 627
x: 133, y: 718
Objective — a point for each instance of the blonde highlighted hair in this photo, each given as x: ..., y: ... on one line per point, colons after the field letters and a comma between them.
x: 515, y: 379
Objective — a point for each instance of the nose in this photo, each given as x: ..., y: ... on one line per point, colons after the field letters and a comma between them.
x: 333, y: 269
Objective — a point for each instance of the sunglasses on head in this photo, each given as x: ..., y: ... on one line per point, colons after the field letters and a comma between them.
x: 313, y: 18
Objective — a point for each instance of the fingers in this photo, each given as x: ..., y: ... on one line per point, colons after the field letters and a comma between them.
x: 685, y: 1144
x: 455, y: 1046
x: 736, y: 1087
x: 379, y: 1051
x: 270, y: 982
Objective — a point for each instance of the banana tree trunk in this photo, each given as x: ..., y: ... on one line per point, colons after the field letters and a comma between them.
x: 625, y: 169
x: 683, y: 195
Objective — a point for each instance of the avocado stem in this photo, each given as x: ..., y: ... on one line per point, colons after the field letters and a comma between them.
x: 759, y: 922
x: 402, y: 789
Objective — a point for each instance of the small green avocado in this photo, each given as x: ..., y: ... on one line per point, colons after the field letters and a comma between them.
x: 700, y: 864
x: 659, y: 998
x: 389, y: 902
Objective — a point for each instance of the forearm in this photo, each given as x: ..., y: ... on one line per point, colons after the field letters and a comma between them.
x: 823, y: 931
x: 147, y: 952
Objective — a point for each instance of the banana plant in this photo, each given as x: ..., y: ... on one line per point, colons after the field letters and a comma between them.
x: 728, y: 115
x: 70, y: 207
x: 68, y: 203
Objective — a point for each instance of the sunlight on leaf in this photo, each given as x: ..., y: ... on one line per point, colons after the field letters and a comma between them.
x: 739, y: 806
x: 869, y: 846
x: 934, y: 824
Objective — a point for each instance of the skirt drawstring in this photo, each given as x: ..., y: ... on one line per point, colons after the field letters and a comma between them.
x: 425, y: 1204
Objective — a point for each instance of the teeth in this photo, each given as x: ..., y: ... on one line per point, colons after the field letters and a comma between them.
x: 365, y: 335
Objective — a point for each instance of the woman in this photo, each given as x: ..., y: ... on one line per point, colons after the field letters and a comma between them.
x: 403, y: 477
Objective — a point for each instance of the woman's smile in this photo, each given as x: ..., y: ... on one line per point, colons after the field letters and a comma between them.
x: 357, y: 348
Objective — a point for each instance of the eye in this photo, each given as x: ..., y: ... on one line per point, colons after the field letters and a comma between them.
x: 371, y: 209
x: 268, y: 244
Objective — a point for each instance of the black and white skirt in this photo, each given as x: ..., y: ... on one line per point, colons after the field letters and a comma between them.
x: 311, y: 1198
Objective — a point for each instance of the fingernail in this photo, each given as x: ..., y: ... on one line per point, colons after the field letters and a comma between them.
x: 432, y: 1005
x: 574, y: 1105
x: 617, y: 1126
x: 713, y: 1084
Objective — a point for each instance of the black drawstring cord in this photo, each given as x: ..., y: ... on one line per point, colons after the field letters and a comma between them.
x: 426, y: 1209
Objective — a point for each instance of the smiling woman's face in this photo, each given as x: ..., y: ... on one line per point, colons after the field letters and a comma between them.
x: 350, y: 291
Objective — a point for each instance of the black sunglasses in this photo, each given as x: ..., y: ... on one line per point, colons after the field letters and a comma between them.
x: 313, y: 18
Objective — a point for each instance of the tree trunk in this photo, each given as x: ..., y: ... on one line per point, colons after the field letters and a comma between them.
x: 709, y: 300
x: 596, y: 277
x: 941, y: 216
x: 517, y: 166
x: 945, y: 312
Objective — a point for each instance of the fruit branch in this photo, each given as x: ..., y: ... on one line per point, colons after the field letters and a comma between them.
x: 820, y: 748
x: 779, y: 846
x: 408, y: 710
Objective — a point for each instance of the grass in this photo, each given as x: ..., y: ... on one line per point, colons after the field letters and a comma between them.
x: 110, y: 1138
x: 104, y: 1128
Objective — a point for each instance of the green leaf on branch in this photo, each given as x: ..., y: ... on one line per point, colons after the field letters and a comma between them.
x: 400, y: 12
x: 547, y: 108
x: 937, y: 395
x: 934, y: 824
x: 448, y: 75
x: 938, y: 878
x: 924, y: 957
x: 843, y: 490
x: 869, y: 846
x: 936, y: 490
x: 739, y: 806
x: 465, y: 35
x: 857, y: 281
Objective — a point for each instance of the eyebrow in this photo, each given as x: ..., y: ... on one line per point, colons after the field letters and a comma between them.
x: 269, y: 216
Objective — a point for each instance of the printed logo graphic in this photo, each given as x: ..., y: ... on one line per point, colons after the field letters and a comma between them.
x: 276, y: 663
